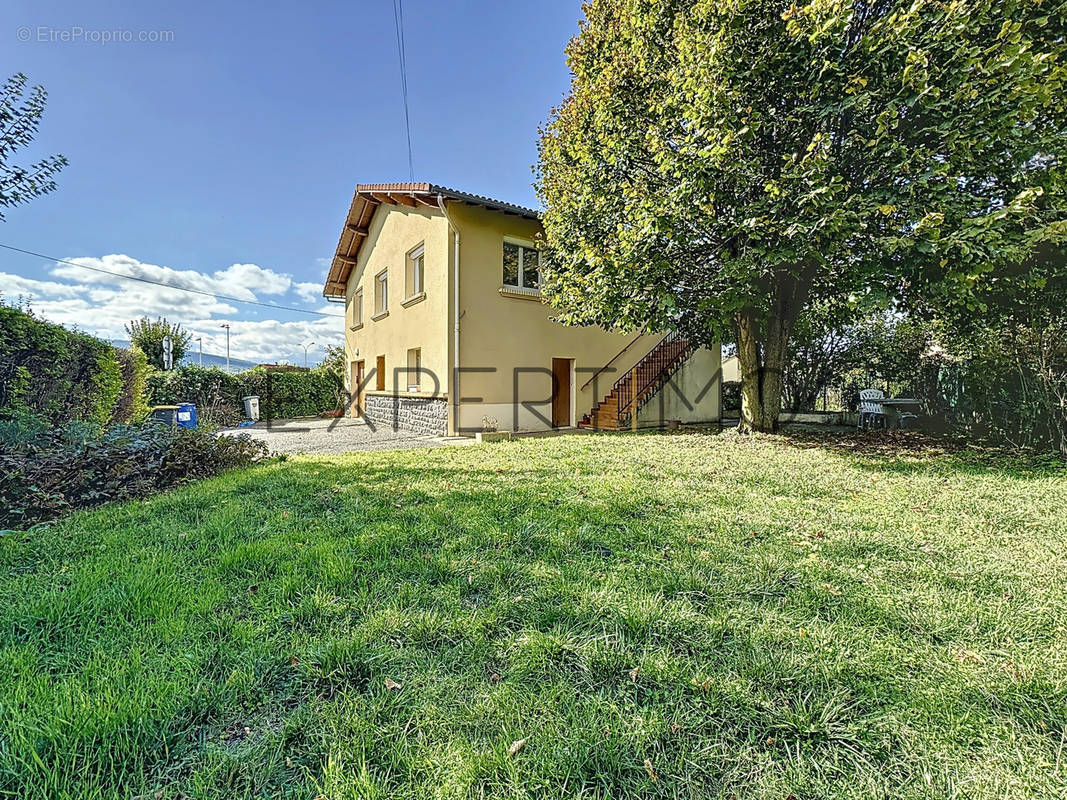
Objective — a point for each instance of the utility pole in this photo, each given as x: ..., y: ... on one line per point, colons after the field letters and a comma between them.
x: 200, y: 341
x: 226, y: 325
x: 306, y: 348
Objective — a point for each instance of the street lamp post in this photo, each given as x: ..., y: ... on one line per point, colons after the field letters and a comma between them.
x: 226, y: 325
x: 306, y: 348
x: 200, y: 341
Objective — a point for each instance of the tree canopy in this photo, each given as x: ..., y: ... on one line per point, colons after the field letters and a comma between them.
x: 148, y: 335
x: 720, y: 164
x: 19, y: 118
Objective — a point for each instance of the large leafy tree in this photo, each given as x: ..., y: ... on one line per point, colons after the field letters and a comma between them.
x: 719, y: 165
x: 19, y: 118
x: 148, y: 336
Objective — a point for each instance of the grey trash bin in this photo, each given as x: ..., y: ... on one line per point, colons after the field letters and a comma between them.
x: 252, y: 406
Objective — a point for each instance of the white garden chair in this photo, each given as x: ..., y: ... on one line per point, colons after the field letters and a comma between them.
x: 872, y: 412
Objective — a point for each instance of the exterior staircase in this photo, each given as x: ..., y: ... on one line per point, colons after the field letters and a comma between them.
x: 638, y: 385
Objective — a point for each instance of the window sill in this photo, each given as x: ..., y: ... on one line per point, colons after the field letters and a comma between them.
x: 415, y: 298
x: 354, y: 328
x: 380, y: 316
x: 421, y: 395
x: 519, y: 293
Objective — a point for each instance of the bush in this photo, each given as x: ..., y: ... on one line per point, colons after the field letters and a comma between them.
x: 1009, y: 385
x: 131, y: 404
x: 57, y: 374
x: 731, y: 396
x: 291, y: 393
x: 218, y: 395
x: 44, y: 474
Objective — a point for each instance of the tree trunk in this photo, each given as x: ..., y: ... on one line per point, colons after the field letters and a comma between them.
x: 761, y: 389
x: 762, y: 358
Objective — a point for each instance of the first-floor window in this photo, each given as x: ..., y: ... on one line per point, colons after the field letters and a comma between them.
x: 522, y: 265
x: 357, y: 308
x: 414, y: 368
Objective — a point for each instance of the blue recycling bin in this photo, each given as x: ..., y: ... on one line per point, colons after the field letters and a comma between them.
x: 186, y: 415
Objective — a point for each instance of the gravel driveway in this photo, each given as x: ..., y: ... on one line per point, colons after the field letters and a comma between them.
x: 337, y: 436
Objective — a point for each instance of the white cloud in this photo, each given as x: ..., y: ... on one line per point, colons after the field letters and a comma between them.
x: 253, y: 277
x: 14, y: 286
x: 308, y: 292
x: 239, y: 280
x: 270, y: 340
x: 102, y: 304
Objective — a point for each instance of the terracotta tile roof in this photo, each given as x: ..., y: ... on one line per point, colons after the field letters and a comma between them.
x: 367, y: 198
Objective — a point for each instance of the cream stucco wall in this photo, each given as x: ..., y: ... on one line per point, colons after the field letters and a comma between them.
x: 393, y: 232
x: 503, y: 340
x: 693, y: 394
x: 517, y: 337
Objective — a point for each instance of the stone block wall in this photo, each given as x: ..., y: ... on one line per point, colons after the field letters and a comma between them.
x: 426, y: 415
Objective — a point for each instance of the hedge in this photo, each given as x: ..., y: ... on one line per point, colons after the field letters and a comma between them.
x: 60, y: 375
x: 48, y: 473
x: 218, y: 395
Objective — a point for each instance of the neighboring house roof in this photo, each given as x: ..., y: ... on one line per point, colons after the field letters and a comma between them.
x: 369, y: 196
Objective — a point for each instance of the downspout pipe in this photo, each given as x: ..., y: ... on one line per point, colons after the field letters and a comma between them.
x: 453, y: 387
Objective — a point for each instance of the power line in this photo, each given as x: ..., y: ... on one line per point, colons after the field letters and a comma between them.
x: 398, y: 23
x: 170, y: 285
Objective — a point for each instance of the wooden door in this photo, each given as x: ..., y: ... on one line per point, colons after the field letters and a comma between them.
x: 561, y: 392
x: 357, y: 388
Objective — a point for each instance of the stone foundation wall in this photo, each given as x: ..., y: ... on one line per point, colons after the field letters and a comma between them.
x: 426, y: 415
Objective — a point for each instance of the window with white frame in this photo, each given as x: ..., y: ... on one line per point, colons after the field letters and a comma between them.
x: 357, y: 308
x: 414, y: 368
x: 522, y: 265
x: 381, y: 292
x: 415, y: 272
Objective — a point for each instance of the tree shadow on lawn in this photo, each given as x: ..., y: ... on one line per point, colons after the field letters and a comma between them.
x: 916, y: 452
x: 343, y: 574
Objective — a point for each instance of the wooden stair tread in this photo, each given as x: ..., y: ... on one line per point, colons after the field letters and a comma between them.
x: 651, y: 373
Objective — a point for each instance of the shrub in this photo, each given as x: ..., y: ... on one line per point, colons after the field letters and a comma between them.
x: 44, y: 474
x: 291, y: 393
x: 1010, y: 385
x: 131, y: 404
x: 731, y: 396
x: 57, y: 374
x: 218, y: 395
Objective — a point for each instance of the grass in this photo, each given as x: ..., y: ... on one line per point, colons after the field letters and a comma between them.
x: 738, y: 617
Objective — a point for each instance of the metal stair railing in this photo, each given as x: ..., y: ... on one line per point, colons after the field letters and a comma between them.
x: 661, y: 362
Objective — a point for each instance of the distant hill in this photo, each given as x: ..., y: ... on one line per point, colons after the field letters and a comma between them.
x: 210, y: 360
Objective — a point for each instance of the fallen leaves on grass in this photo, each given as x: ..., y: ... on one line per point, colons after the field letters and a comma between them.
x: 516, y: 746
x: 651, y: 771
x: 391, y: 684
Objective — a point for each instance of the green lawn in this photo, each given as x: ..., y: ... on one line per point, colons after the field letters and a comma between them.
x: 759, y: 618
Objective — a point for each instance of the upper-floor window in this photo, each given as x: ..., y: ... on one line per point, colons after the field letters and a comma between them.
x: 381, y: 292
x: 414, y: 272
x: 522, y: 265
x: 357, y: 308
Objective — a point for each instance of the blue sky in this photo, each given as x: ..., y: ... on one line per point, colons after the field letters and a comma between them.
x: 227, y: 156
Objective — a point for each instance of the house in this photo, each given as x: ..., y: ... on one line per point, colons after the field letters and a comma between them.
x: 447, y: 332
